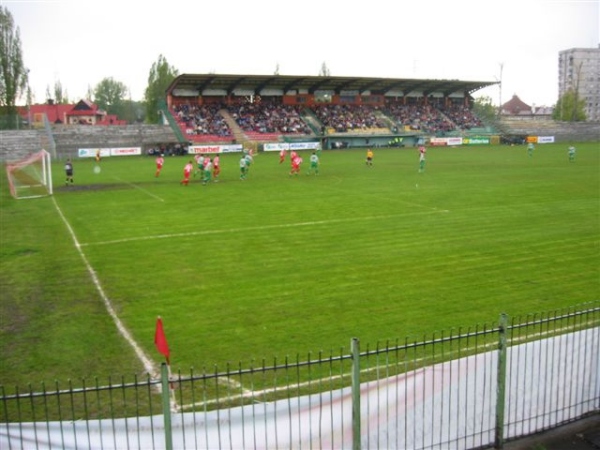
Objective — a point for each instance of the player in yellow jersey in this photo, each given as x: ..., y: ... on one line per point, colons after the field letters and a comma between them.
x: 369, y: 161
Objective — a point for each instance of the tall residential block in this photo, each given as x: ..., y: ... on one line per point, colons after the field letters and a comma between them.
x: 579, y: 70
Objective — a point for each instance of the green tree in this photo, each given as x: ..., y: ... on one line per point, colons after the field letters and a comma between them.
x: 570, y: 108
x: 110, y: 96
x: 483, y: 108
x: 160, y: 77
x: 132, y: 111
x: 13, y: 74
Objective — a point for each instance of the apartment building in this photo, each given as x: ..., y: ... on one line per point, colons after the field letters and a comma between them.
x: 579, y: 70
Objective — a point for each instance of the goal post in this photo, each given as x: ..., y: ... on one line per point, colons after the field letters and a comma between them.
x: 30, y: 177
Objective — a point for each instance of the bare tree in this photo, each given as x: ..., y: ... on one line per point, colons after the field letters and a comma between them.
x: 60, y: 95
x: 324, y: 72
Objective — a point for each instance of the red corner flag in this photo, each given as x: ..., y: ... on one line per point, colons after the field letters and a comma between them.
x: 160, y: 340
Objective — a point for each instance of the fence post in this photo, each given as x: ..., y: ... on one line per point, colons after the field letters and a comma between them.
x: 355, y: 346
x: 501, y: 382
x: 166, y: 403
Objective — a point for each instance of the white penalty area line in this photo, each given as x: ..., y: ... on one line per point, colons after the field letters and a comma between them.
x: 149, y: 366
x: 139, y: 188
x: 258, y: 228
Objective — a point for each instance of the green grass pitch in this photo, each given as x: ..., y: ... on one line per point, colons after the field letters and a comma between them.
x: 278, y: 266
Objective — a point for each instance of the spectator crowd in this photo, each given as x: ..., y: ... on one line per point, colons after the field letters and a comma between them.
x: 270, y: 116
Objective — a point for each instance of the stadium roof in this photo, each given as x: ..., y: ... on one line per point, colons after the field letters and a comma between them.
x: 204, y: 84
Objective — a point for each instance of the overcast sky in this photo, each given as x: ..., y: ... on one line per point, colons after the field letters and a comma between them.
x: 79, y: 43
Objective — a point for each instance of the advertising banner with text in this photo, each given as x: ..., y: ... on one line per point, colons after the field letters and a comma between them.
x: 277, y: 147
x: 105, y: 152
x: 206, y: 149
x: 476, y: 140
x: 446, y: 141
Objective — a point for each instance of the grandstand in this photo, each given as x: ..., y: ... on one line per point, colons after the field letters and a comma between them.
x: 255, y: 109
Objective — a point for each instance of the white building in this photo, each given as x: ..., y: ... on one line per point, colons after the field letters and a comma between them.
x: 579, y: 70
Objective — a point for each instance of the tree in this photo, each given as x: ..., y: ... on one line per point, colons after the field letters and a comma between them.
x: 133, y: 112
x: 483, y: 108
x: 160, y: 77
x: 324, y: 72
x: 570, y: 108
x: 13, y: 74
x: 109, y: 95
x: 60, y: 96
x: 89, y: 94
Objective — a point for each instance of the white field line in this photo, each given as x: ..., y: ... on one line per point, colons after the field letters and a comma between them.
x: 149, y: 366
x: 258, y: 228
x: 141, y: 189
x: 246, y: 393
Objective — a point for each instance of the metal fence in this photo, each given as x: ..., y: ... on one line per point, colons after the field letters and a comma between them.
x: 469, y: 388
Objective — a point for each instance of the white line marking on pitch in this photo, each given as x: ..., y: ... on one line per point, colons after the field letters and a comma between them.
x: 259, y: 228
x: 139, y: 188
x: 145, y: 360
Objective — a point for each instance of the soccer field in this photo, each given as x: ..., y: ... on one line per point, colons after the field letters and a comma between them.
x: 278, y: 265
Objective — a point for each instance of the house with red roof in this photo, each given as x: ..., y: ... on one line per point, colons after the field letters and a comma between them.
x: 83, y: 112
x: 516, y: 107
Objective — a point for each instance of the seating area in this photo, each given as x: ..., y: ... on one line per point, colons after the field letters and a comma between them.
x: 462, y: 116
x: 268, y: 117
x: 202, y: 123
x: 18, y: 144
x: 66, y: 140
x: 562, y: 131
x: 424, y: 118
x: 348, y: 118
x: 268, y: 120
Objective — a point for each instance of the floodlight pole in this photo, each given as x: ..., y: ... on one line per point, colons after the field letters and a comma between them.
x: 500, y: 91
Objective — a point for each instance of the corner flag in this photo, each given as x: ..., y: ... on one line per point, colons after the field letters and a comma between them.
x: 160, y: 340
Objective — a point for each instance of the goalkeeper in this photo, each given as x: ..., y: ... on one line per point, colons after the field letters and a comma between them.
x: 68, y: 172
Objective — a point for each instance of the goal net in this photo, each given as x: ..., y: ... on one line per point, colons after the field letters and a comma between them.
x: 30, y: 177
